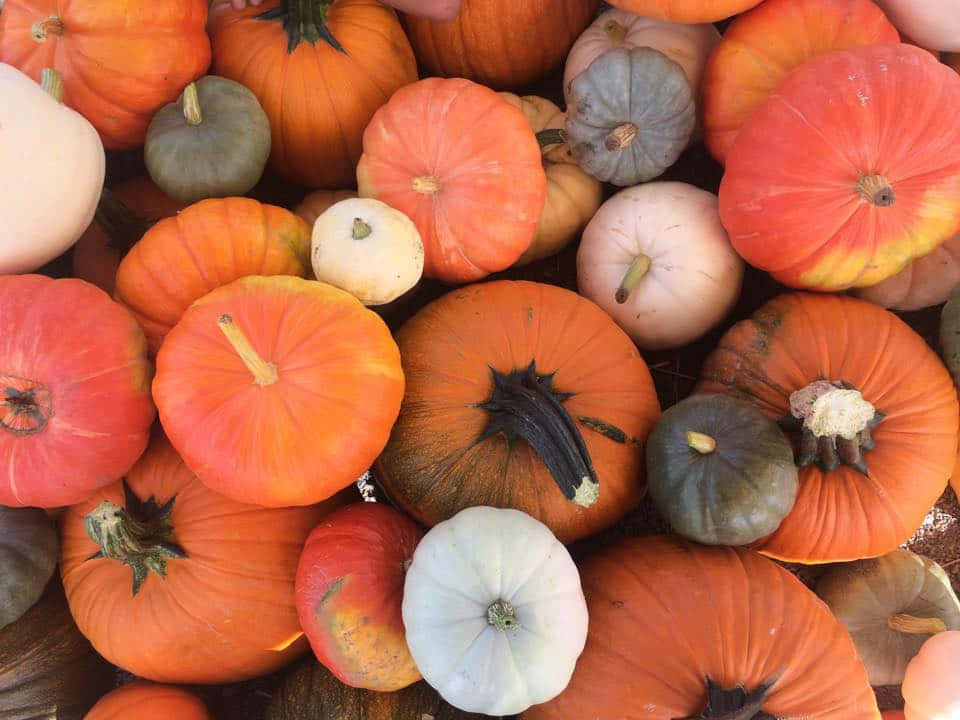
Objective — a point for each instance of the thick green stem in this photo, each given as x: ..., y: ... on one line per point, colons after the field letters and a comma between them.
x: 501, y: 615
x: 638, y: 268
x: 360, y: 229
x: 122, y: 226
x: 191, y: 105
x: 735, y: 704
x: 551, y: 136
x: 304, y: 21
x: 52, y: 83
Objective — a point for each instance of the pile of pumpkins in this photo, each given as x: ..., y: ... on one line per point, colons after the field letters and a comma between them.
x: 217, y: 458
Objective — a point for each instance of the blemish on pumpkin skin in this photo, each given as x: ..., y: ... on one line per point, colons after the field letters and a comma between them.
x: 607, y: 430
x: 332, y: 590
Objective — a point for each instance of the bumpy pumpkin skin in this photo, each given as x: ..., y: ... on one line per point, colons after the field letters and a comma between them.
x: 435, y: 465
x: 148, y: 701
x: 764, y: 44
x: 675, y: 614
x: 120, y: 61
x: 500, y: 43
x: 927, y: 689
x: 799, y: 338
x: 315, y: 136
x: 75, y: 389
x: 29, y: 549
x: 685, y: 11
x: 861, y: 202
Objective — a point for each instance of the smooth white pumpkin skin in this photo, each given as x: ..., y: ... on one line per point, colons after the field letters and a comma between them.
x: 462, y: 566
x: 695, y: 274
x: 932, y: 24
x: 375, y: 269
x: 931, y: 684
x: 52, y: 168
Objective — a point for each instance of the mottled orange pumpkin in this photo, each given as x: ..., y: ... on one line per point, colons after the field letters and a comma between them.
x: 148, y: 701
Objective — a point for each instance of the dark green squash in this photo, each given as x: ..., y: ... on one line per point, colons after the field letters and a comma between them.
x: 719, y: 471
x: 950, y: 334
x: 48, y: 671
x: 28, y: 555
x: 311, y: 692
x: 214, y: 141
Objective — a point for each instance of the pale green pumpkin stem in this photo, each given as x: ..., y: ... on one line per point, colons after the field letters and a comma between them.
x: 191, y: 105
x: 501, y: 615
x: 916, y: 625
x: 52, y: 83
x: 264, y: 373
x: 361, y: 229
x: 701, y: 442
x: 638, y: 268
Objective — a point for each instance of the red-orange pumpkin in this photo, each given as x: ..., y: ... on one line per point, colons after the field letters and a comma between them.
x: 295, y: 385
x: 175, y: 583
x: 864, y: 496
x: 464, y: 165
x: 148, y: 701
x: 821, y: 194
x: 75, y: 408
x: 687, y: 12
x: 676, y: 626
x: 120, y: 61
x: 320, y: 69
x: 349, y: 591
x: 763, y: 45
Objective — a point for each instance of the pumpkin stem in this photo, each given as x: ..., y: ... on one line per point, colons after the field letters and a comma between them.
x: 122, y: 226
x: 40, y: 30
x: 501, y: 615
x: 264, y: 373
x: 426, y: 185
x: 361, y: 229
x: 524, y: 404
x: 304, y: 21
x: 702, y: 443
x: 552, y: 136
x: 735, y: 704
x: 52, y: 83
x: 621, y: 137
x: 191, y: 105
x: 25, y: 405
x: 615, y: 31
x: 367, y: 489
x: 915, y: 625
x: 876, y: 190
x: 638, y: 268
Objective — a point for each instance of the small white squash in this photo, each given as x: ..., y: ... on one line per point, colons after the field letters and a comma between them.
x: 656, y: 258
x: 52, y: 167
x: 494, y: 613
x: 932, y: 24
x: 367, y: 248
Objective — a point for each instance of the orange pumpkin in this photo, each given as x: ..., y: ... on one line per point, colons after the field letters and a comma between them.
x: 864, y: 487
x: 763, y: 45
x: 120, y: 61
x: 295, y: 384
x: 320, y: 69
x: 175, y: 583
x: 676, y: 627
x: 148, y: 701
x: 500, y: 43
x: 819, y: 193
x: 464, y: 165
x: 520, y: 395
x: 687, y: 12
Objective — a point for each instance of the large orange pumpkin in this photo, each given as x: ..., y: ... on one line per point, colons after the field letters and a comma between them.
x: 148, y: 701
x: 679, y: 630
x: 500, y: 43
x: 763, y: 45
x: 209, y: 244
x: 175, y: 583
x: 821, y: 194
x: 464, y: 165
x: 294, y: 383
x: 320, y: 69
x: 862, y: 492
x: 120, y: 61
x: 687, y: 12
x: 520, y: 395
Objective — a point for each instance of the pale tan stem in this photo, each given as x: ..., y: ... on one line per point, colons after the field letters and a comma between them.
x: 264, y: 373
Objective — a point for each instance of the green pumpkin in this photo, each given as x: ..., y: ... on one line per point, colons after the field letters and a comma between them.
x: 719, y: 471
x: 950, y: 334
x: 28, y: 555
x: 630, y: 115
x: 212, y: 142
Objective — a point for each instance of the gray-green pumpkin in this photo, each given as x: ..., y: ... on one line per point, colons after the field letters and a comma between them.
x: 950, y: 334
x: 719, y: 471
x: 213, y: 141
x: 28, y: 555
x: 631, y: 114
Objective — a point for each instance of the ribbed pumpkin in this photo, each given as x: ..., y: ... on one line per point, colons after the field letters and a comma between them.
x: 763, y: 45
x: 205, y: 246
x: 148, y: 701
x: 820, y: 194
x: 177, y: 583
x: 675, y: 627
x: 320, y: 69
x: 120, y: 61
x: 500, y: 43
x: 685, y: 11
x: 519, y: 395
x: 294, y: 382
x: 879, y: 417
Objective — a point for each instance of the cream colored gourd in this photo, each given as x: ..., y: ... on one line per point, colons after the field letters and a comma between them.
x: 933, y: 24
x: 367, y: 248
x: 493, y: 609
x: 573, y: 195
x: 51, y: 171
x: 315, y: 203
x: 687, y: 45
x: 656, y: 258
x: 930, y: 687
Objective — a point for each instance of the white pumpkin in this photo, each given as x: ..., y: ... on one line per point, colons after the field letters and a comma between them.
x: 933, y: 24
x: 494, y: 613
x: 656, y: 258
x: 687, y: 45
x: 367, y: 248
x: 52, y: 167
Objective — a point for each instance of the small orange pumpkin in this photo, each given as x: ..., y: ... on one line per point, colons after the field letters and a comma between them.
x: 148, y: 701
x: 687, y: 12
